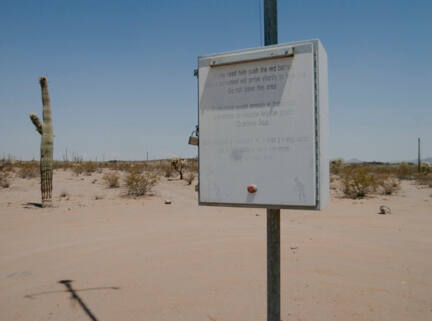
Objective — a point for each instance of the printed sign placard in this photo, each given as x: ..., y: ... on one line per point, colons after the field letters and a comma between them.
x: 263, y: 127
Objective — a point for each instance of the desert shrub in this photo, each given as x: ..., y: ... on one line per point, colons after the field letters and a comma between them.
x: 121, y: 166
x: 426, y: 168
x: 140, y: 184
x: 6, y: 165
x: 192, y: 165
x: 424, y: 179
x: 137, y: 167
x: 89, y: 168
x: 357, y: 182
x: 77, y: 169
x: 166, y: 169
x: 4, y: 179
x: 64, y: 165
x: 190, y: 177
x: 112, y: 180
x: 152, y: 167
x: 29, y: 170
x: 336, y: 166
x: 406, y: 171
x: 388, y: 184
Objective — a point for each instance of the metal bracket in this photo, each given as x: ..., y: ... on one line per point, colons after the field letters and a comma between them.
x: 229, y: 60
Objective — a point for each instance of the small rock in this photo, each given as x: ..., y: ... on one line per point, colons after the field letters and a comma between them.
x: 293, y: 247
x: 168, y: 201
x: 384, y: 210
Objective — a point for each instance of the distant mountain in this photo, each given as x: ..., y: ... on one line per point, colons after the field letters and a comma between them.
x: 427, y: 159
x: 358, y: 161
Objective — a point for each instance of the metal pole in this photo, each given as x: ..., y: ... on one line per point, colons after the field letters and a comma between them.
x: 419, y: 157
x: 270, y: 22
x: 273, y: 265
x: 273, y: 215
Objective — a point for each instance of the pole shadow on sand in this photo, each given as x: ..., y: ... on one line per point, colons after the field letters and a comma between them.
x: 75, y: 296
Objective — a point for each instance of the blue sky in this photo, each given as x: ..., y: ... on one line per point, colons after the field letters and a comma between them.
x: 121, y: 72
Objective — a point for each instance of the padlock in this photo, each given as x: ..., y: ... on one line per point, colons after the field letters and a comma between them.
x: 193, y: 139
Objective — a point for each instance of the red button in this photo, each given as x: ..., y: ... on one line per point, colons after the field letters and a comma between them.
x: 252, y: 188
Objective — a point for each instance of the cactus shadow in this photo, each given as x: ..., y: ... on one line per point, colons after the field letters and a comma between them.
x: 74, y: 295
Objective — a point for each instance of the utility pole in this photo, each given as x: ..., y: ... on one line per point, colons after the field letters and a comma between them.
x: 419, y: 157
x: 273, y: 215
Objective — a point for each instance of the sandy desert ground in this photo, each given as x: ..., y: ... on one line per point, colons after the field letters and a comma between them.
x: 141, y: 259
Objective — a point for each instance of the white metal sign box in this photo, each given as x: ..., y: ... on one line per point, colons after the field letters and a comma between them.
x: 263, y: 127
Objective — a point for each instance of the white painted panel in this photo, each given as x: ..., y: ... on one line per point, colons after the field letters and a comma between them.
x: 323, y: 118
x: 257, y: 126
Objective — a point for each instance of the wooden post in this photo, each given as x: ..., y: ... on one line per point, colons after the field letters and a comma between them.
x: 273, y: 215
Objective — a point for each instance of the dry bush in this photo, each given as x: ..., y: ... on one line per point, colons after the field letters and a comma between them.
x: 152, y: 167
x: 140, y: 184
x: 166, y: 169
x: 192, y: 165
x: 6, y: 169
x: 357, y: 182
x: 120, y: 166
x: 190, y: 177
x: 137, y: 167
x: 77, y: 169
x: 89, y: 168
x: 64, y: 165
x: 99, y: 167
x: 388, y: 184
x: 112, y: 180
x: 29, y: 170
x: 424, y: 179
x: 406, y: 171
x: 426, y: 168
x: 4, y: 179
x: 336, y: 166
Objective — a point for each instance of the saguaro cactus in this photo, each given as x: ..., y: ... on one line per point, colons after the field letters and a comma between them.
x: 47, y: 143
